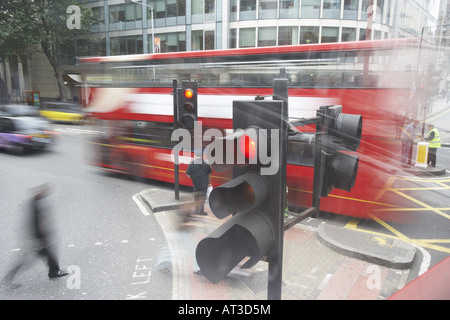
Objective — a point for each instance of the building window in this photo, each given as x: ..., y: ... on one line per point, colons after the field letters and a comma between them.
x: 203, y: 40
x: 126, y: 45
x: 330, y: 34
x: 160, y: 9
x: 209, y: 40
x: 350, y: 9
x: 232, y: 41
x: 287, y: 36
x: 365, y: 9
x: 379, y: 12
x: 247, y: 9
x: 362, y: 34
x: 171, y: 42
x: 310, y: 9
x: 348, y: 34
x: 247, y: 37
x: 267, y: 36
x: 331, y: 9
x: 197, y: 40
x: 233, y: 10
x: 288, y: 9
x: 267, y: 9
x: 117, y: 13
x: 172, y: 8
x: 133, y: 12
x: 210, y: 6
x: 309, y: 35
x: 181, y: 8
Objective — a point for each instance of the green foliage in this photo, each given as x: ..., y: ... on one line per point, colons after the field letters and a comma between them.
x: 27, y: 23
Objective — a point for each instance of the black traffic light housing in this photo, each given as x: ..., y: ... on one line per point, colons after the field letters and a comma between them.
x: 187, y: 104
x: 255, y: 197
x: 334, y: 169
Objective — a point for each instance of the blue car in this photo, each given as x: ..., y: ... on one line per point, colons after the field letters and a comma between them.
x: 20, y: 134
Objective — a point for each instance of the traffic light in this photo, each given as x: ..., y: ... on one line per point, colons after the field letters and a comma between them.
x: 337, y: 131
x: 255, y: 197
x: 187, y: 104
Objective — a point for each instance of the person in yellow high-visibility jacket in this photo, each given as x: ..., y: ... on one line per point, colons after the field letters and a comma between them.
x: 434, y: 142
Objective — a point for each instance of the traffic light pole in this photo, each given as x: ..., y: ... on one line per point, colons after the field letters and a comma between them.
x: 318, y: 163
x: 175, y: 126
x: 275, y: 258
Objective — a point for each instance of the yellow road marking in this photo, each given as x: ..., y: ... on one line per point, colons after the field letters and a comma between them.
x: 425, y: 243
x: 422, y: 204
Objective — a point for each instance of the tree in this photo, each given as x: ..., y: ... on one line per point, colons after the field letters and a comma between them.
x: 26, y: 25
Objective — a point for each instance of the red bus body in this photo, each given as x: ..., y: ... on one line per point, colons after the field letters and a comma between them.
x: 115, y: 106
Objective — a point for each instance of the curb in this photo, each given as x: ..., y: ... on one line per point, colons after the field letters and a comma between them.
x: 384, y: 251
x: 426, y: 172
x: 160, y: 200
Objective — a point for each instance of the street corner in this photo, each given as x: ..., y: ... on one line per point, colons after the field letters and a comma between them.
x: 378, y: 249
x: 158, y: 199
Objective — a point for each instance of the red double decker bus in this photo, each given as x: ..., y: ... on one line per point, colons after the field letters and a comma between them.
x: 129, y: 98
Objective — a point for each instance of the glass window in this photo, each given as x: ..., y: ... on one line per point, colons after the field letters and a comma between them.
x: 362, y: 34
x: 160, y: 10
x: 181, y: 8
x: 232, y: 41
x: 171, y: 42
x: 210, y: 6
x: 130, y: 12
x: 126, y: 45
x: 310, y: 9
x: 287, y: 36
x: 348, y: 34
x: 248, y: 9
x: 197, y: 40
x: 331, y: 9
x: 267, y: 9
x: 267, y: 36
x: 289, y: 9
x: 247, y: 37
x: 209, y: 40
x: 350, y: 9
x: 117, y: 13
x: 233, y: 10
x: 330, y: 34
x: 197, y: 7
x: 171, y: 8
x: 379, y: 12
x: 309, y: 35
x: 365, y: 9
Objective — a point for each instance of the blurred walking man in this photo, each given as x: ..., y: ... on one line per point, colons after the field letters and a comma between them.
x: 40, y: 242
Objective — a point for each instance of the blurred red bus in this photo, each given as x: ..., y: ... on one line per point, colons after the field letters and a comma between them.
x: 129, y: 98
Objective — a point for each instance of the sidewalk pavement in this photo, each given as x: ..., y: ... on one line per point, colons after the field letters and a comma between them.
x: 321, y: 261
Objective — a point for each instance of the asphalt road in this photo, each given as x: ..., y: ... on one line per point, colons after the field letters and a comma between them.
x: 105, y: 242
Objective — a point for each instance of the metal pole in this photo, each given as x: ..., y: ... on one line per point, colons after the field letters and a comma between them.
x: 175, y: 126
x: 318, y: 162
x: 274, y: 284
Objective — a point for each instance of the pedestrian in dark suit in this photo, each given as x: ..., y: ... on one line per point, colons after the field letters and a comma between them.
x: 199, y: 171
x: 40, y: 242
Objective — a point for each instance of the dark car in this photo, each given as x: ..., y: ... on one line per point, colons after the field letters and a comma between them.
x: 23, y: 133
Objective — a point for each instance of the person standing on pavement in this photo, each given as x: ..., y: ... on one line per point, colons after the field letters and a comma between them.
x: 40, y: 241
x: 198, y: 171
x: 407, y: 138
x: 434, y: 142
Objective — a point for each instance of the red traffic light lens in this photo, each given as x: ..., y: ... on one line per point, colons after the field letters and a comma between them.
x: 188, y: 93
x: 247, y: 146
